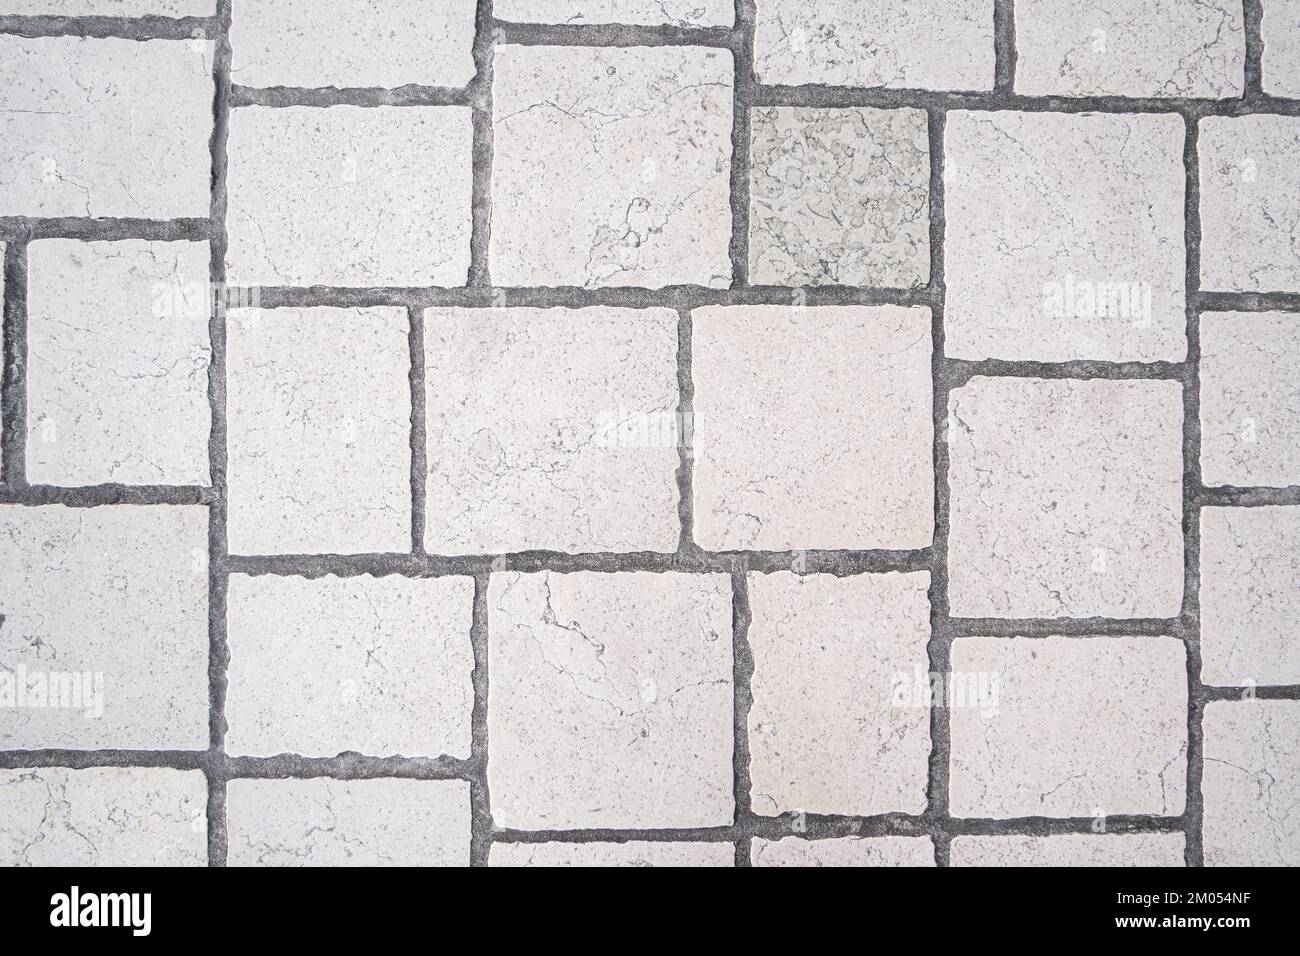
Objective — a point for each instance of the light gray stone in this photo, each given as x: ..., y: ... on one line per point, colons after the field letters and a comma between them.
x: 551, y: 429
x: 632, y: 853
x: 378, y: 196
x: 117, y: 362
x: 1250, y: 203
x: 1281, y: 59
x: 826, y: 732
x: 611, y: 166
x: 1070, y: 849
x: 380, y: 666
x: 323, y: 822
x: 105, y: 127
x: 681, y: 13
x: 1250, y: 398
x: 839, y: 197
x: 1065, y: 498
x: 1250, y: 595
x: 1064, y: 236
x: 315, y: 43
x: 1251, y: 783
x: 319, y: 420
x: 104, y: 623
x: 611, y: 701
x: 813, y: 427
x: 103, y: 816
x: 1083, y: 726
x: 1125, y: 48
x: 111, y: 8
x: 923, y: 44
x: 844, y: 851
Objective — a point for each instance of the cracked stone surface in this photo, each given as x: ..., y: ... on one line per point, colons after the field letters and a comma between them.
x: 137, y: 572
x: 839, y: 197
x: 1281, y: 58
x: 322, y: 822
x: 1126, y: 48
x: 103, y: 816
x: 924, y: 44
x: 1250, y: 596
x: 844, y: 851
x: 1252, y: 783
x: 611, y: 167
x: 320, y: 456
x: 313, y: 43
x: 104, y: 127
x: 353, y: 165
x: 612, y: 700
x: 681, y: 13
x: 1064, y: 236
x: 551, y: 428
x: 632, y: 853
x: 1081, y: 727
x: 826, y: 732
x: 111, y: 8
x: 1066, y: 498
x: 117, y: 362
x: 1070, y: 849
x: 1250, y: 203
x: 813, y: 427
x: 1250, y: 398
x: 372, y: 665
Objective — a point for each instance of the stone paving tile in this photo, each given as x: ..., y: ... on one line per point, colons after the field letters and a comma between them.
x: 846, y: 851
x: 111, y: 8
x: 1070, y: 849
x: 632, y: 853
x: 682, y: 13
x: 1281, y: 58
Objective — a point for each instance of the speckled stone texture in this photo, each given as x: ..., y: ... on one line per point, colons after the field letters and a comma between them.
x: 113, y: 8
x: 632, y: 853
x: 682, y: 13
x: 1070, y: 849
x: 845, y: 851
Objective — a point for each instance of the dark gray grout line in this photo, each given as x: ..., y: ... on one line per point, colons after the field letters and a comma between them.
x: 1254, y: 68
x: 1004, y: 45
x: 13, y: 389
x: 742, y: 673
x: 93, y: 496
x: 14, y: 228
x: 617, y: 34
x: 480, y: 798
x: 281, y: 97
x: 480, y: 90
x: 419, y: 436
x: 1237, y: 497
x: 744, y: 84
x: 1245, y: 301
x: 685, y: 423
x: 954, y: 627
x: 126, y: 28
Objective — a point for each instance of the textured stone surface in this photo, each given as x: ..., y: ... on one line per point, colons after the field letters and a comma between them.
x: 611, y: 167
x: 316, y: 43
x: 632, y: 853
x: 1066, y: 498
x: 104, y: 127
x: 110, y: 605
x: 1250, y: 398
x: 813, y: 427
x: 111, y: 8
x: 611, y: 700
x: 1069, y: 849
x: 1281, y: 59
x: 845, y: 851
x: 117, y: 362
x: 1250, y: 203
x: 1252, y: 783
x: 1250, y: 595
x: 103, y: 816
x: 1123, y: 48
x: 322, y: 822
x: 839, y: 197
x: 682, y: 13
x: 1064, y: 236
x: 551, y: 428
x: 379, y: 666
x: 333, y: 221
x: 925, y: 44
x: 1084, y: 726
x: 319, y: 450
x: 825, y: 732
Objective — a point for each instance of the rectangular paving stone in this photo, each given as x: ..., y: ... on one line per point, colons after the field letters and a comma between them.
x: 105, y: 127
x: 117, y: 362
x: 104, y: 627
x: 343, y: 43
x: 1084, y: 726
x: 1251, y: 783
x: 631, y: 853
x: 1250, y: 398
x: 1064, y: 236
x: 319, y: 412
x: 1280, y: 31
x: 1065, y: 498
x: 611, y: 701
x: 839, y: 197
x: 813, y: 427
x: 925, y: 44
x: 826, y: 734
x: 323, y: 822
x: 333, y: 221
x: 611, y: 166
x: 1250, y: 595
x: 1148, y: 48
x: 103, y: 816
x: 379, y: 666
x: 844, y: 851
x: 551, y: 429
x: 111, y: 8
x: 681, y: 13
x: 1069, y: 849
